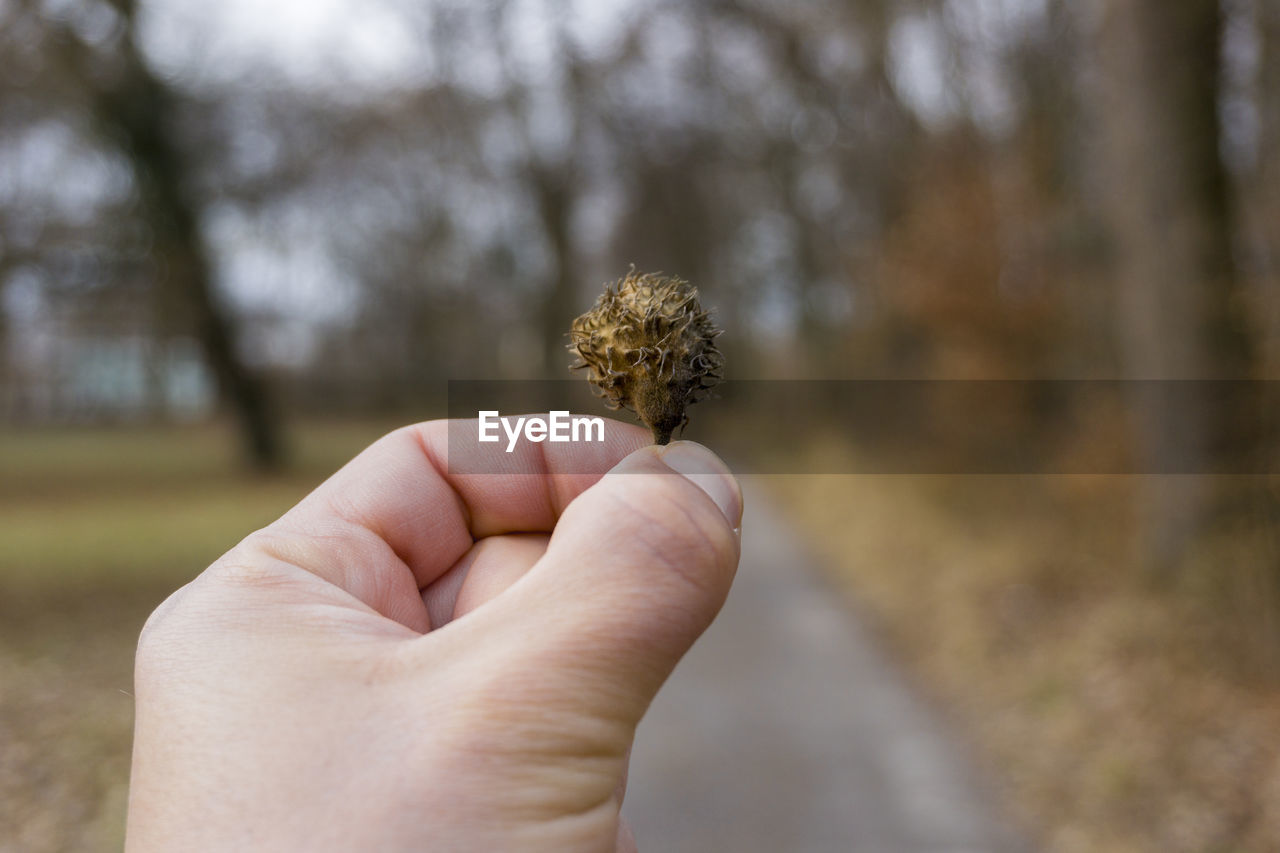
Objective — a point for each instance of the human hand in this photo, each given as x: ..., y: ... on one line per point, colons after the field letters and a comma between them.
x: 414, y: 660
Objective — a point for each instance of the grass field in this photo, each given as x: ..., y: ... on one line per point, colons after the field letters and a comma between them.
x: 96, y: 528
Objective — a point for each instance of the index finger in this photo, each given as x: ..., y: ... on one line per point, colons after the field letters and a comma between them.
x: 400, y: 492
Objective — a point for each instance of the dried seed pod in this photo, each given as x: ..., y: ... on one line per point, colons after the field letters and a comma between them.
x: 648, y: 346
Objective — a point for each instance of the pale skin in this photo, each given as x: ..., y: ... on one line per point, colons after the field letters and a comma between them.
x: 414, y: 660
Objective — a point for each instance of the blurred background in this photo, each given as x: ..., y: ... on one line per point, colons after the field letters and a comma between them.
x: 238, y: 242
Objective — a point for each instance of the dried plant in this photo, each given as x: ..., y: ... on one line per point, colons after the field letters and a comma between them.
x: 649, y: 346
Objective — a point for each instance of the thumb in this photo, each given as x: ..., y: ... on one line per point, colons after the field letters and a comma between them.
x: 637, y: 568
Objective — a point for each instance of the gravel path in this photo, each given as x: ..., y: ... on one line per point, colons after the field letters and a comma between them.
x: 785, y: 729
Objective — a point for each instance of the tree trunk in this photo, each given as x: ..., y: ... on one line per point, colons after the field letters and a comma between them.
x: 1170, y: 212
x: 135, y: 108
x: 555, y: 207
x: 554, y: 180
x: 1268, y: 94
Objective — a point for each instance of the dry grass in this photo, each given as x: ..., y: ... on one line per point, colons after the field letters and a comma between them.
x: 1121, y: 716
x: 66, y: 715
x: 96, y: 528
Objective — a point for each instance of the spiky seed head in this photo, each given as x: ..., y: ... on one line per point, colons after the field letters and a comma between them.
x: 649, y: 346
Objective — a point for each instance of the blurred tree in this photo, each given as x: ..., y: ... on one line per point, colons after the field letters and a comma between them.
x: 1268, y: 147
x: 838, y: 166
x: 1178, y: 305
x: 780, y: 155
x: 135, y: 110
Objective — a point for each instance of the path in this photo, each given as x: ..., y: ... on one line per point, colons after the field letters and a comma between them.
x: 785, y: 730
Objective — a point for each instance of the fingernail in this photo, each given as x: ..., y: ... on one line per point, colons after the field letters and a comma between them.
x: 706, y: 471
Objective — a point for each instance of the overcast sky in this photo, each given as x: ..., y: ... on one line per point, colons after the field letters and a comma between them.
x: 356, y: 42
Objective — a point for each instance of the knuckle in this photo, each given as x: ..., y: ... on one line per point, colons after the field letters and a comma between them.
x: 158, y: 640
x: 153, y: 629
x: 251, y: 561
x: 257, y: 562
x: 265, y: 558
